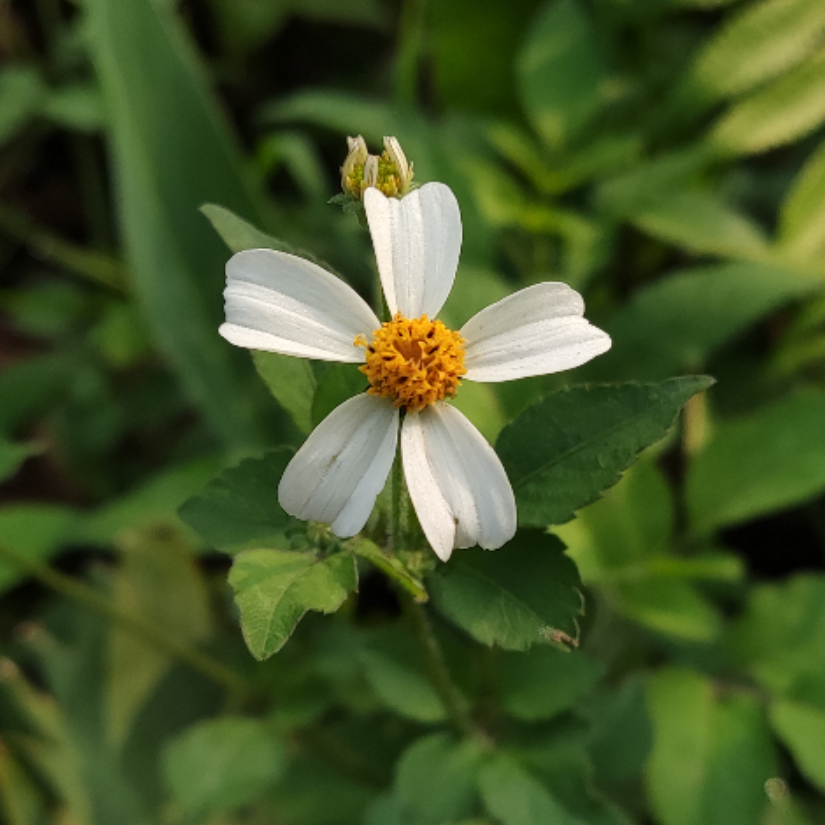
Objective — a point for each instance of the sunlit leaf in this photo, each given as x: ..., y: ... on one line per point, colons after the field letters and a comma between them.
x: 762, y: 41
x: 782, y: 112
x: 802, y: 217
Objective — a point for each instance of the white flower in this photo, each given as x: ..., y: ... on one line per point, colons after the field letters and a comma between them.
x: 281, y: 303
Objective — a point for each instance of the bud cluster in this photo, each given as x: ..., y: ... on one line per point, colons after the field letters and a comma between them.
x: 388, y: 172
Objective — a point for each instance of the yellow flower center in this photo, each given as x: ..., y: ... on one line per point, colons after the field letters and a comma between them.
x: 415, y: 362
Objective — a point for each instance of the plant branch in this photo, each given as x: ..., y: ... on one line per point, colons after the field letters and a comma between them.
x: 451, y: 697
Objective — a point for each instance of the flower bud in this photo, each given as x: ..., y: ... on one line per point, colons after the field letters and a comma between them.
x: 390, y: 173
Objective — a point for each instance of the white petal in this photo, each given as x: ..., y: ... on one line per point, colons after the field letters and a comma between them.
x: 458, y: 487
x: 342, y: 467
x: 535, y: 331
x: 281, y: 303
x: 417, y: 241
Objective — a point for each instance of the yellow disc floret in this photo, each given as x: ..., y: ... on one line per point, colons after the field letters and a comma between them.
x: 414, y: 362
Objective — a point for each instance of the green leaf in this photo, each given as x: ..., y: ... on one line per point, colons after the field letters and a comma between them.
x: 760, y: 463
x: 291, y: 382
x: 157, y: 580
x: 239, y: 234
x: 782, y: 112
x: 400, y: 687
x: 36, y: 531
x: 275, y: 588
x: 622, y: 733
x: 171, y: 153
x: 711, y: 757
x: 515, y: 797
x: 802, y: 217
x: 436, y: 779
x: 12, y: 456
x: 621, y: 543
x: 559, y: 72
x: 702, y: 223
x: 21, y: 92
x: 338, y: 382
x: 221, y: 765
x: 544, y: 682
x: 151, y: 504
x: 801, y: 728
x: 780, y: 640
x: 78, y: 106
x: 562, y: 452
x: 762, y: 41
x: 524, y: 594
x: 239, y: 509
x: 680, y: 321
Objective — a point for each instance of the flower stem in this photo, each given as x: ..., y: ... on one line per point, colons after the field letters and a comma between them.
x: 451, y: 697
x: 89, y: 598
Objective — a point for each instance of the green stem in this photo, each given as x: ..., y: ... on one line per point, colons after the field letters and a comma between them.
x: 155, y: 636
x: 451, y: 697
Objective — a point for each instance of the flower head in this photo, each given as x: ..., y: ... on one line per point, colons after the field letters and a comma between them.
x: 414, y: 364
x: 389, y: 172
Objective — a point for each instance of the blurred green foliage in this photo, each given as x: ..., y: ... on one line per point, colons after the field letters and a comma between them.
x: 664, y: 157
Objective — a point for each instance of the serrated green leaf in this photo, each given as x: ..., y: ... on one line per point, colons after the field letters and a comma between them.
x: 239, y: 508
x: 436, y: 779
x: 678, y: 322
x: 760, y: 463
x: 762, y: 41
x: 782, y: 112
x: 802, y: 217
x: 222, y: 764
x: 559, y: 72
x: 711, y: 757
x: 561, y: 453
x: 291, y: 382
x: 524, y: 594
x: 515, y: 797
x: 275, y: 588
x: 801, y: 728
x: 544, y: 682
x: 172, y: 152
